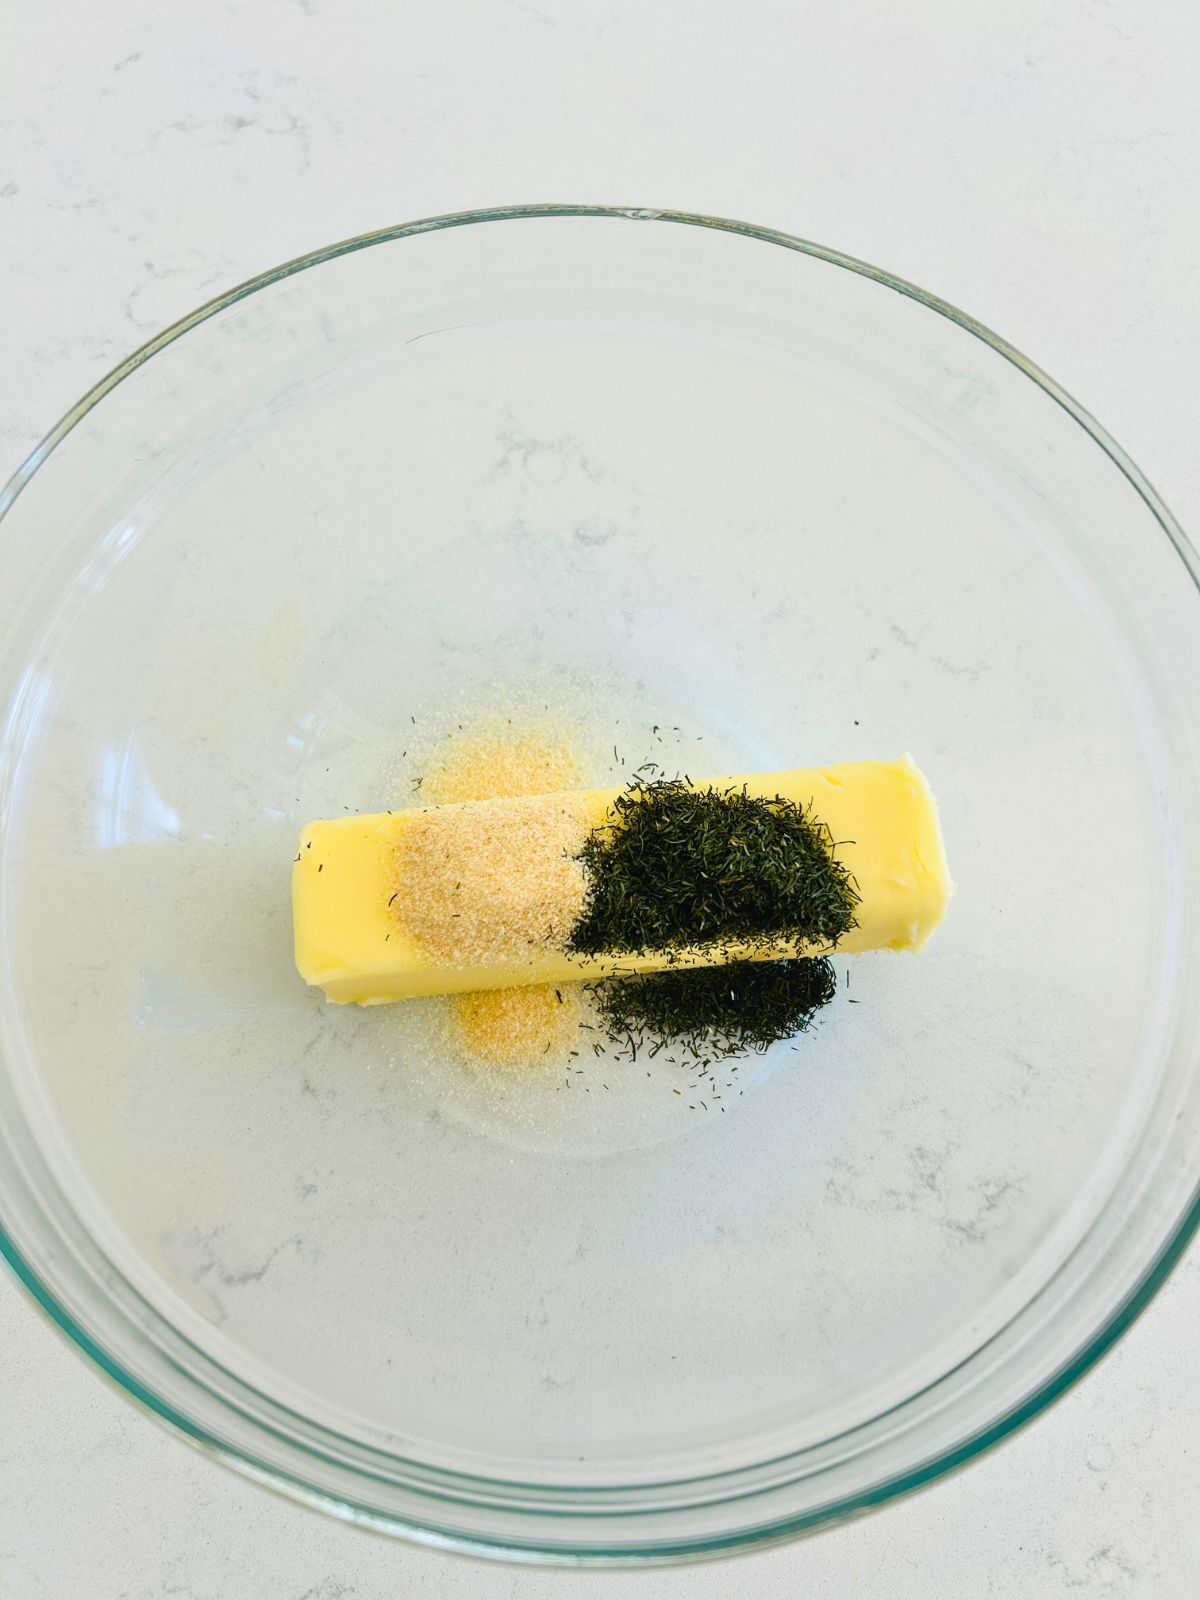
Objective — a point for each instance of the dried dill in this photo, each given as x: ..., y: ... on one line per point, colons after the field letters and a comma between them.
x: 681, y: 865
x: 716, y: 1012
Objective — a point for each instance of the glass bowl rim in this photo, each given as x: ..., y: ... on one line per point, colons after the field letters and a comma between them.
x: 641, y: 1550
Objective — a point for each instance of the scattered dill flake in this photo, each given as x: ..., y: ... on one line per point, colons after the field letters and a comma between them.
x: 716, y: 1012
x: 680, y: 865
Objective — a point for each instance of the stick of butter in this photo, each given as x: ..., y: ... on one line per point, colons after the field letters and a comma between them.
x: 350, y: 943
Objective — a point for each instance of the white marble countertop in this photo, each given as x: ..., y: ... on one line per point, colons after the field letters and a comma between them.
x: 1036, y: 165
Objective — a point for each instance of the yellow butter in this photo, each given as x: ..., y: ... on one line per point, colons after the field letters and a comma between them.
x: 881, y: 814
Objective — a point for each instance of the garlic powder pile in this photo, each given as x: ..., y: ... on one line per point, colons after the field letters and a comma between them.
x: 514, y: 1028
x: 492, y: 759
x: 486, y: 883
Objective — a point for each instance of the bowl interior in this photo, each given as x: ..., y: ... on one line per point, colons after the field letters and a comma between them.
x: 713, y: 503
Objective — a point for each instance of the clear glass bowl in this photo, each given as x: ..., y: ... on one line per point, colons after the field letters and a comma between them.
x: 689, y: 473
